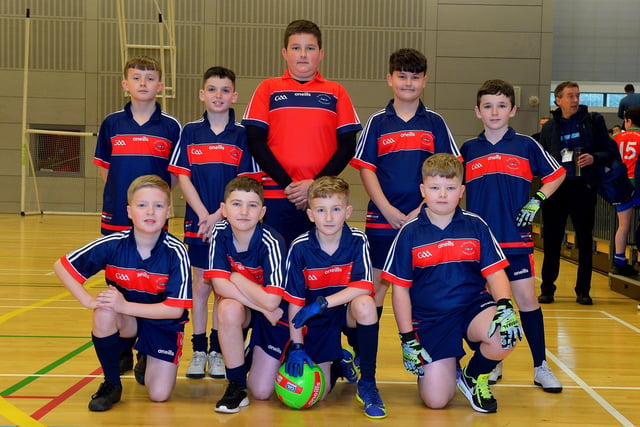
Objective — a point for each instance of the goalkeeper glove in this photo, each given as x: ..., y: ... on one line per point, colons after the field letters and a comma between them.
x: 296, y: 359
x: 414, y: 356
x: 507, y: 322
x: 528, y: 211
x: 317, y: 307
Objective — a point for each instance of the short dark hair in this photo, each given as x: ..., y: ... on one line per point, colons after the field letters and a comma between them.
x: 221, y: 72
x: 633, y: 114
x: 497, y: 87
x: 408, y: 60
x: 143, y: 63
x: 557, y: 92
x: 244, y: 183
x: 302, y: 26
x: 629, y: 88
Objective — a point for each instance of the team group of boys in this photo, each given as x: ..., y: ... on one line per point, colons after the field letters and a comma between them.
x: 266, y: 230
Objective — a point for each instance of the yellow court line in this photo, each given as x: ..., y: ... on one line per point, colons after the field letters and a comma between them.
x: 3, y: 318
x: 16, y: 416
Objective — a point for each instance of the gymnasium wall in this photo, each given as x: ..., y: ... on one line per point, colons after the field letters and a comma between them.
x: 75, y: 64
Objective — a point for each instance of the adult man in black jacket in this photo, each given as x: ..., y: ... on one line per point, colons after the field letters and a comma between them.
x: 579, y: 141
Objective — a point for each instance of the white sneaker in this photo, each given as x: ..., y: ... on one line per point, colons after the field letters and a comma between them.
x: 496, y: 374
x: 216, y: 365
x: 197, y: 365
x: 543, y: 377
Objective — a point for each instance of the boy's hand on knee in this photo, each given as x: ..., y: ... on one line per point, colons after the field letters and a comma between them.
x: 314, y: 309
x: 506, y: 321
x: 414, y: 356
x: 297, y: 357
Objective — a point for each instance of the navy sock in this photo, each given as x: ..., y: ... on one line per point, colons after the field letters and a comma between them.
x: 108, y: 358
x: 199, y: 342
x: 620, y: 259
x: 479, y: 365
x: 237, y: 375
x: 352, y: 338
x: 368, y: 344
x: 214, y: 343
x: 126, y: 344
x: 533, y: 327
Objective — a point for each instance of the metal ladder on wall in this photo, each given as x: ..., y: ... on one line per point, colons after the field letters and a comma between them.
x: 166, y: 47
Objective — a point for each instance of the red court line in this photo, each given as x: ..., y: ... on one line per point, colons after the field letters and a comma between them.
x: 55, y: 402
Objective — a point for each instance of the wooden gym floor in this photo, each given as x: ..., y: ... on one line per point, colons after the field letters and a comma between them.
x: 49, y: 369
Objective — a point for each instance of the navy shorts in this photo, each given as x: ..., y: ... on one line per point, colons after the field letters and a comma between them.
x: 378, y: 249
x: 633, y: 202
x: 520, y: 267
x: 199, y: 256
x: 286, y: 219
x: 161, y: 343
x: 272, y: 339
x: 442, y: 337
x: 323, y: 338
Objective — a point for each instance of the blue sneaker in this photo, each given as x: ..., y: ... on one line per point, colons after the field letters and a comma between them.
x: 350, y: 370
x: 369, y: 396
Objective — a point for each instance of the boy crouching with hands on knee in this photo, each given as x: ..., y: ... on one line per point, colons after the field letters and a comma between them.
x: 148, y: 273
x: 440, y: 265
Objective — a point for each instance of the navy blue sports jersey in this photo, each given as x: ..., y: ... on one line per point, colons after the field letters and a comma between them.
x: 128, y: 151
x: 498, y: 183
x: 210, y: 161
x: 262, y: 262
x: 164, y: 277
x: 311, y: 272
x: 395, y: 150
x: 444, y: 269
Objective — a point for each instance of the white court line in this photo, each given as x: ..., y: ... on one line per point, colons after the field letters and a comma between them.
x: 590, y: 391
x: 17, y: 307
x: 622, y: 322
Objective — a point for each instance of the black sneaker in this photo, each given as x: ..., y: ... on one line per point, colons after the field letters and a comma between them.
x: 105, y: 397
x: 545, y: 299
x: 624, y: 270
x: 125, y: 361
x: 140, y: 368
x: 477, y: 392
x: 584, y: 299
x: 234, y: 398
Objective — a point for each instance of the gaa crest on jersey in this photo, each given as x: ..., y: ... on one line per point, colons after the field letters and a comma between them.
x: 513, y: 163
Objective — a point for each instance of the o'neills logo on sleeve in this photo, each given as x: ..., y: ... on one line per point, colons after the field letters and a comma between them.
x: 336, y: 275
x: 448, y: 250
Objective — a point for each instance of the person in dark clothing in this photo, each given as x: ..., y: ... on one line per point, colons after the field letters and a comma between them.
x: 578, y: 140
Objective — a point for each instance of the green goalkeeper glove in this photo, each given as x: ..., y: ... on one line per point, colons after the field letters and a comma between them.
x: 528, y: 211
x: 507, y: 322
x: 414, y: 356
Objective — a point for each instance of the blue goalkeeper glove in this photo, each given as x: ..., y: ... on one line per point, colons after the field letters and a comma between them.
x: 506, y: 321
x: 314, y: 309
x: 414, y: 356
x: 528, y: 211
x: 297, y: 357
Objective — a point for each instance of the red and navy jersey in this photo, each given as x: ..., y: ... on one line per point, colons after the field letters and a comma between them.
x: 303, y: 121
x: 311, y: 272
x: 210, y: 161
x: 444, y: 269
x: 164, y: 277
x: 262, y: 262
x: 498, y: 183
x: 129, y: 150
x: 395, y: 150
x: 629, y: 144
